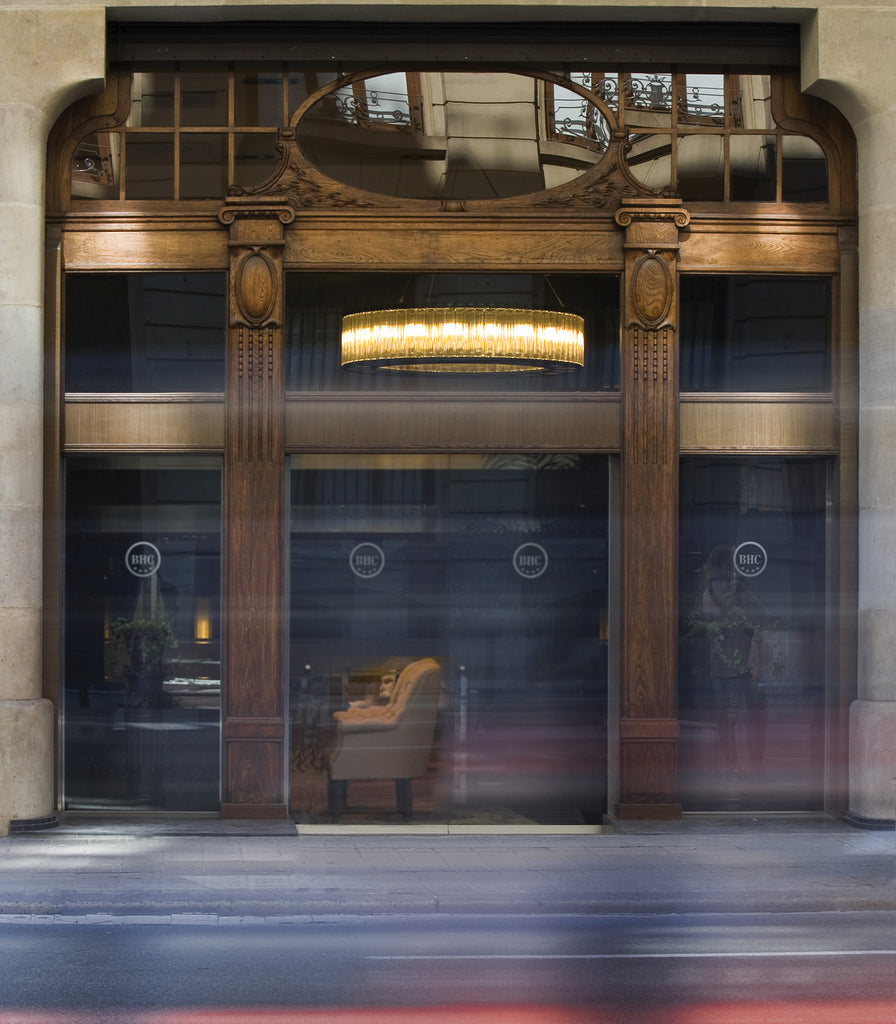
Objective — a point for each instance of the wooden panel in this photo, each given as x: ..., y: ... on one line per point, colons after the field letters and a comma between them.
x: 757, y: 246
x: 527, y: 242
x: 128, y: 243
x: 758, y: 425
x: 442, y: 423
x: 842, y: 636
x: 254, y: 812
x: 647, y: 777
x: 253, y: 774
x: 649, y: 729
x: 123, y: 423
x: 455, y: 240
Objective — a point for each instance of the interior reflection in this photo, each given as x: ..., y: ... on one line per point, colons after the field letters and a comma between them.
x: 448, y: 639
x: 752, y: 655
x: 316, y: 303
x: 450, y: 134
x: 142, y: 633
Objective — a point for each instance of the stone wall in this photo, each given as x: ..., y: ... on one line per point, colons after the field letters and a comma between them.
x: 52, y: 52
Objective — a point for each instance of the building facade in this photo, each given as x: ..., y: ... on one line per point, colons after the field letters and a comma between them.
x: 251, y: 570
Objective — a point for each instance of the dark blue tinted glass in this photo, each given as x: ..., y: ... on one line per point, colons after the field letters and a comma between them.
x: 755, y: 333
x: 154, y: 332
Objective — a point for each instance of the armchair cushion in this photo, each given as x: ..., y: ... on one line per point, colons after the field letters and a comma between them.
x: 391, y: 741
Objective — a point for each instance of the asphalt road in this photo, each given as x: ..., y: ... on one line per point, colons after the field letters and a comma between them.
x: 465, y: 969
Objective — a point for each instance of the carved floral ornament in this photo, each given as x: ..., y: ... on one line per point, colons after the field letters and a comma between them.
x: 345, y: 121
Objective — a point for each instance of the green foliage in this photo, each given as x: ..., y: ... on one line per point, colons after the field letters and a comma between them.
x: 144, y: 642
x: 729, y: 634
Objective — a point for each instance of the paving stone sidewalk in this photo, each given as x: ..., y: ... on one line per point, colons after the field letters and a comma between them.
x: 205, y: 871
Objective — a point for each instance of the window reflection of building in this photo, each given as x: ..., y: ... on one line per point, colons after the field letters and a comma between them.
x: 449, y: 134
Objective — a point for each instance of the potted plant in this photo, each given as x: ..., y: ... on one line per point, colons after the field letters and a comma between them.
x: 144, y: 644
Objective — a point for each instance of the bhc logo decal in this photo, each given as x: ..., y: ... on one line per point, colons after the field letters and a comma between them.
x: 530, y: 560
x: 750, y: 559
x: 367, y: 560
x: 142, y: 559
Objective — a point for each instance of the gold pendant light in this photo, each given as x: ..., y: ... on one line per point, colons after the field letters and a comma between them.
x: 463, y: 340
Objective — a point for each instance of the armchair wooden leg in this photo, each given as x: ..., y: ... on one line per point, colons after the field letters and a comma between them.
x: 404, y: 796
x: 337, y: 795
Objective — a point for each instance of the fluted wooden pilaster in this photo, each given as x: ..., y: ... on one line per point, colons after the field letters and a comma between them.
x: 648, y: 726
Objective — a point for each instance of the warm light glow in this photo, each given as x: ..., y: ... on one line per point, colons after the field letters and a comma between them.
x: 203, y: 624
x: 463, y: 340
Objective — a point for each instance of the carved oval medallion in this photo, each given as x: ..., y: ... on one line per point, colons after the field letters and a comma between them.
x: 256, y: 287
x: 651, y: 290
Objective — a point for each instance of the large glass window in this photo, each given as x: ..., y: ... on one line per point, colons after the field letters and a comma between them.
x: 752, y: 669
x: 144, y: 332
x: 755, y: 333
x: 142, y: 632
x: 317, y: 302
x: 448, y: 638
x: 440, y: 134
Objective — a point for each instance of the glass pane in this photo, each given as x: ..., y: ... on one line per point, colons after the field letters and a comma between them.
x: 464, y: 600
x: 752, y: 661
x: 804, y: 172
x: 753, y: 168
x: 258, y: 99
x: 702, y: 100
x: 203, y: 98
x: 647, y: 99
x: 96, y: 166
x: 203, y: 166
x: 152, y: 100
x: 607, y: 87
x: 650, y: 159
x: 301, y: 85
x: 752, y: 101
x: 577, y: 120
x: 144, y: 332
x: 755, y: 333
x: 445, y: 135
x: 255, y: 159
x: 149, y: 166
x: 316, y: 303
x: 142, y: 633
x: 701, y: 168
x: 383, y: 100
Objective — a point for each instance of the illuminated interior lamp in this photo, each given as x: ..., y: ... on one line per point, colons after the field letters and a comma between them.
x: 203, y: 624
x: 463, y: 340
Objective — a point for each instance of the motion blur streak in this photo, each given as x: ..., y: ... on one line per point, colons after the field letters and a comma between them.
x: 774, y: 1012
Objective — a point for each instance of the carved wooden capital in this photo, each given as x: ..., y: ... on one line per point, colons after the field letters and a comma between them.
x: 256, y: 208
x: 652, y: 211
x: 652, y: 224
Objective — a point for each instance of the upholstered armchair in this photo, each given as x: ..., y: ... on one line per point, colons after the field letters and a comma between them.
x: 387, y: 741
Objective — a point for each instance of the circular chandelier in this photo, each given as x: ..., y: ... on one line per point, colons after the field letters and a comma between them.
x: 463, y: 340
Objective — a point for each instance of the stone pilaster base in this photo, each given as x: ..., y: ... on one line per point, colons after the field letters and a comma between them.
x: 872, y: 763
x: 26, y: 761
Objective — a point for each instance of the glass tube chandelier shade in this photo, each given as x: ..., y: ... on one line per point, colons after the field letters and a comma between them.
x: 463, y: 340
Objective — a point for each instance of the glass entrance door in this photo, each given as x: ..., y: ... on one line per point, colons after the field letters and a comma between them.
x: 448, y: 640
x: 754, y: 675
x: 142, y: 632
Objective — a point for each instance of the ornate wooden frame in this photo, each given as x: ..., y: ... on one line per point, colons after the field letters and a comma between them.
x: 604, y: 221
